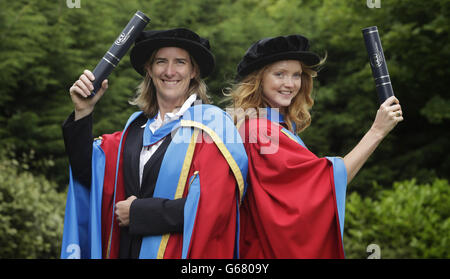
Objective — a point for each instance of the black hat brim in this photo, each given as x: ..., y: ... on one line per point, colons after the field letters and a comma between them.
x: 142, y: 51
x: 307, y: 57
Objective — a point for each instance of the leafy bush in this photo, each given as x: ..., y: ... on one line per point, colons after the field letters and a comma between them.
x: 31, y: 213
x: 408, y: 221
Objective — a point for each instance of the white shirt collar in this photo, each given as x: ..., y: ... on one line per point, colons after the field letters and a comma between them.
x: 187, y: 104
x: 171, y: 116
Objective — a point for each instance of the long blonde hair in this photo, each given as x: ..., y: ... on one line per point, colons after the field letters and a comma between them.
x: 248, y: 94
x: 145, y: 97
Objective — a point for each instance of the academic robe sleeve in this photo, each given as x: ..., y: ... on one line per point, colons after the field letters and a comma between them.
x: 290, y: 208
x: 78, y: 143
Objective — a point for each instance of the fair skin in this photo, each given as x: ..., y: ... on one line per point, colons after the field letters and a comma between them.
x: 171, y: 73
x: 281, y: 82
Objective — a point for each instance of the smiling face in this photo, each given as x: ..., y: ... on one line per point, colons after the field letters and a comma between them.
x: 281, y: 82
x: 171, y: 73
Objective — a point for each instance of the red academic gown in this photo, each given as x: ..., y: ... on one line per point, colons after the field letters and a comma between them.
x: 215, y: 230
x: 289, y: 210
x: 215, y: 224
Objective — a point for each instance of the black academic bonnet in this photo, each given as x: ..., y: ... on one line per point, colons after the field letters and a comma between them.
x: 149, y: 41
x: 269, y: 50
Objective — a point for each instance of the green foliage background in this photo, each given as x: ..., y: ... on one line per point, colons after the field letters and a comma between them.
x: 44, y: 47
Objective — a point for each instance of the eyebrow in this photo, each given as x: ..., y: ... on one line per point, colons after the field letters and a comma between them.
x: 182, y: 59
x: 285, y: 70
x: 165, y: 59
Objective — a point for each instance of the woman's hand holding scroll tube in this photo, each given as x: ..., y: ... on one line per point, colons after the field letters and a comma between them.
x: 81, y: 90
x: 388, y: 115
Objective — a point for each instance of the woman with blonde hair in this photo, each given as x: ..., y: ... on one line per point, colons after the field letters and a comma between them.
x: 150, y: 191
x: 295, y: 203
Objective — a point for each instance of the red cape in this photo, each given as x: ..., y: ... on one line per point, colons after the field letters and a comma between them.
x: 290, y: 208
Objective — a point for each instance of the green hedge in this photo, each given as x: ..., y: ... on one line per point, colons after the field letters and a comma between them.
x: 31, y: 214
x: 408, y: 221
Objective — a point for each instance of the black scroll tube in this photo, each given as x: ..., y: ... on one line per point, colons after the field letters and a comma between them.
x: 118, y: 49
x: 378, y: 63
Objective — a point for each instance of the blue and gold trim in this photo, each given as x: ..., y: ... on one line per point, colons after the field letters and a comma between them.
x: 220, y: 128
x: 170, y: 185
x: 224, y: 149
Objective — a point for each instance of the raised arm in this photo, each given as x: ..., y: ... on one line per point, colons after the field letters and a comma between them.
x: 388, y: 115
x: 77, y: 129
